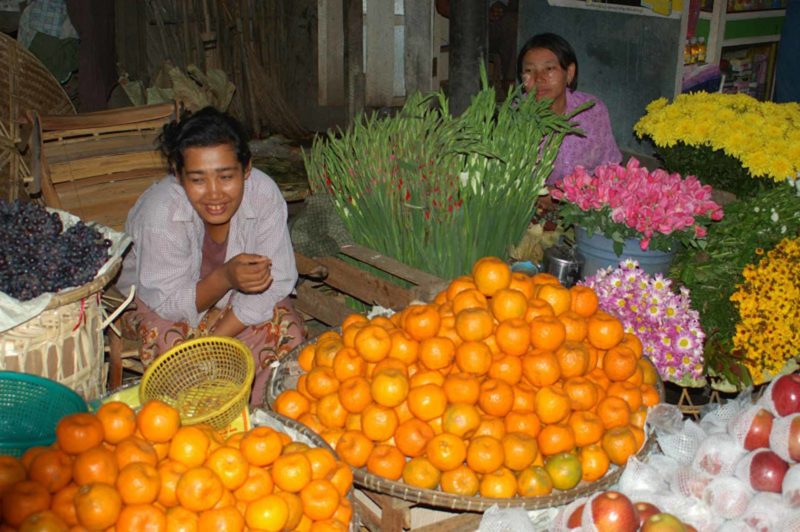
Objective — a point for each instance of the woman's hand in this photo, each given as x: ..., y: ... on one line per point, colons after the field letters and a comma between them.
x: 248, y: 273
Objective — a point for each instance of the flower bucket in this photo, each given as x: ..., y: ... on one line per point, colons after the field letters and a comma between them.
x: 598, y: 252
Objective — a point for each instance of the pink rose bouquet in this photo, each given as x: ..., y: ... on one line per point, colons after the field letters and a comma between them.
x: 630, y: 201
x: 664, y: 321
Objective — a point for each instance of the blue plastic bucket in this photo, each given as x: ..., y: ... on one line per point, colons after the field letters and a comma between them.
x: 598, y: 253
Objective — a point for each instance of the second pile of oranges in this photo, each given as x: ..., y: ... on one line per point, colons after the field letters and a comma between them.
x: 126, y: 471
x: 504, y: 385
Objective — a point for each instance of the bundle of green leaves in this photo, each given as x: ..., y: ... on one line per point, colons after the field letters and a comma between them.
x: 750, y: 226
x: 712, y: 167
x: 435, y: 191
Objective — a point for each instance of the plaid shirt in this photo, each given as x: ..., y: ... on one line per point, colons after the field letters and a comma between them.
x: 164, y: 262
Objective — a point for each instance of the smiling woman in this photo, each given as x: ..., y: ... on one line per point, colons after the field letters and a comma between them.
x: 211, y: 253
x: 548, y: 68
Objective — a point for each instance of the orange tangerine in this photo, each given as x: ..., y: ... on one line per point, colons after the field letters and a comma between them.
x: 490, y: 275
x: 508, y: 303
x: 513, y: 336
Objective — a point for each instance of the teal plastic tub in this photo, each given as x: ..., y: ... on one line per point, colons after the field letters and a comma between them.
x: 30, y: 408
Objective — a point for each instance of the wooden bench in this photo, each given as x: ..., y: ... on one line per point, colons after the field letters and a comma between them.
x: 325, y: 281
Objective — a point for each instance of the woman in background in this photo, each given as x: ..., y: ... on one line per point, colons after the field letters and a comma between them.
x: 548, y: 68
x: 211, y: 250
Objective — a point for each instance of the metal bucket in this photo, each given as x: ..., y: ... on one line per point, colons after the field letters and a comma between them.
x: 562, y: 262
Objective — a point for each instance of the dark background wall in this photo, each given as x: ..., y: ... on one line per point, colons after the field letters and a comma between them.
x: 626, y: 60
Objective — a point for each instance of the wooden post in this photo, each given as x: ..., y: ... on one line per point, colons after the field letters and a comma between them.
x: 353, y: 58
x: 469, y: 36
x: 418, y: 46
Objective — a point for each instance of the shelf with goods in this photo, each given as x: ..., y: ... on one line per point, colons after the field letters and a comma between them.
x: 742, y: 38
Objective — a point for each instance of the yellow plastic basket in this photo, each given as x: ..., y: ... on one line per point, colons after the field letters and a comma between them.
x: 207, y: 380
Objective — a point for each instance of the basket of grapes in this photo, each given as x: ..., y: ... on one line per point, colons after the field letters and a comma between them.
x: 53, y: 269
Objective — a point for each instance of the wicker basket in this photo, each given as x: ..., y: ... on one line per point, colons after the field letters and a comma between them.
x: 26, y: 85
x: 207, y: 380
x: 285, y: 375
x: 65, y: 342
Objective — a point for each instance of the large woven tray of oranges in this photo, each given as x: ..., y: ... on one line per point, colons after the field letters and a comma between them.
x: 506, y: 389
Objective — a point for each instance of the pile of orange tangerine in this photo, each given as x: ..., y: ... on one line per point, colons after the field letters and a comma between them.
x: 122, y: 471
x: 504, y: 385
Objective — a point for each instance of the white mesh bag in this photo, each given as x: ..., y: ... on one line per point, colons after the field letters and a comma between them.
x: 738, y: 427
x: 791, y: 487
x: 718, y: 454
x: 728, y: 497
x: 743, y: 467
x: 562, y: 517
x: 689, y: 482
x: 682, y: 445
x: 779, y: 438
x: 717, y: 418
x: 764, y: 512
x: 790, y: 522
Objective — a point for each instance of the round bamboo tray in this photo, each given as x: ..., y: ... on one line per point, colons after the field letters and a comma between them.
x: 303, y: 434
x: 287, y: 371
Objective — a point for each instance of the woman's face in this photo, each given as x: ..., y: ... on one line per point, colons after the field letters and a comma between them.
x: 213, y: 179
x: 542, y: 74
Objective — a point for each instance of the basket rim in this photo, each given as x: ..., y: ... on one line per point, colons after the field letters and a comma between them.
x: 166, y: 357
x: 44, y: 381
x: 440, y: 499
x: 93, y: 286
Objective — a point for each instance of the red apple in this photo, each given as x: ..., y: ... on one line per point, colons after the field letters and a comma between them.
x: 663, y: 522
x: 786, y: 394
x: 794, y: 439
x: 759, y: 431
x: 614, y: 512
x: 645, y: 510
x: 690, y: 528
x: 575, y: 517
x: 767, y: 471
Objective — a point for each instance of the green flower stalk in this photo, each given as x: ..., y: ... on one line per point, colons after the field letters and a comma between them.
x: 438, y: 192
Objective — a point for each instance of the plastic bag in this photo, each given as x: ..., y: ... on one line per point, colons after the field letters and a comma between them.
x: 728, y: 497
x: 639, y: 476
x: 764, y: 512
x: 506, y: 520
x: 791, y: 487
x: 780, y: 437
x: 718, y: 454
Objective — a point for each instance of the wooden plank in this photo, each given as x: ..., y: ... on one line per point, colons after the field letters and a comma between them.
x: 334, y: 52
x: 321, y: 307
x: 104, y: 165
x: 111, y: 117
x: 308, y: 267
x: 390, y: 265
x: 152, y: 173
x: 457, y: 523
x: 120, y: 143
x: 66, y: 135
x: 363, y: 285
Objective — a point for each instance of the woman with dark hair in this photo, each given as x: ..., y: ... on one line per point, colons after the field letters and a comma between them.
x: 211, y: 250
x: 548, y: 68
